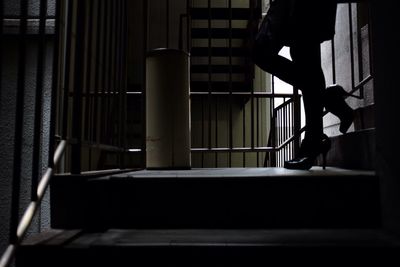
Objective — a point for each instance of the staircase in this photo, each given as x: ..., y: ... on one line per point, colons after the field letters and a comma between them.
x: 220, y: 53
x: 212, y: 217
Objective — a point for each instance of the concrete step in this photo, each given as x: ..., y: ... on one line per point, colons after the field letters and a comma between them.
x: 212, y: 247
x: 220, y: 69
x: 220, y: 86
x: 223, y: 13
x: 248, y: 198
x: 219, y: 33
x: 220, y: 52
x: 353, y: 150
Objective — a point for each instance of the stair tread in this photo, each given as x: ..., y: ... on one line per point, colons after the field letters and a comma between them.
x: 219, y: 68
x: 219, y: 51
x: 221, y: 237
x: 202, y: 86
x: 280, y: 173
x: 222, y: 13
x: 219, y: 33
x: 237, y: 198
x: 201, y: 247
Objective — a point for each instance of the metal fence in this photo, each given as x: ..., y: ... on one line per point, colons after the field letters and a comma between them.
x: 79, y: 93
x: 93, y: 81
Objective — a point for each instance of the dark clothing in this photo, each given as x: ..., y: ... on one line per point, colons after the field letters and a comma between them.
x: 301, y: 25
x: 293, y: 20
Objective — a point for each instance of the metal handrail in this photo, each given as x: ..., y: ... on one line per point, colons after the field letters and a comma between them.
x: 27, y: 217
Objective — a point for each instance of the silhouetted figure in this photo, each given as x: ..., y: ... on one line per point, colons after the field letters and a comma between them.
x: 302, y: 25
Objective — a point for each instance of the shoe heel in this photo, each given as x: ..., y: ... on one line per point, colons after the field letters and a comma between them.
x: 326, y: 146
x: 324, y: 160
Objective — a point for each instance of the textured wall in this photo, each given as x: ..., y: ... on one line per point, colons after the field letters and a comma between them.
x: 386, y: 72
x: 7, y: 118
x: 343, y: 65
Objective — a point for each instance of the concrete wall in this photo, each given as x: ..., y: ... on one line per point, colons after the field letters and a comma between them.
x: 386, y: 68
x: 343, y: 70
x: 7, y: 121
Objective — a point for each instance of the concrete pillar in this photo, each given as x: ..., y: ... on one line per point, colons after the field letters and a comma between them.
x: 167, y: 110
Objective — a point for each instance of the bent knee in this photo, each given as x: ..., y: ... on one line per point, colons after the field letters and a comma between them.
x: 262, y: 55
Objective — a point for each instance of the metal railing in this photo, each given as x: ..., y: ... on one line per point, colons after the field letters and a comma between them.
x: 88, y: 99
x: 86, y: 93
x: 94, y: 84
x: 284, y: 120
x: 218, y: 132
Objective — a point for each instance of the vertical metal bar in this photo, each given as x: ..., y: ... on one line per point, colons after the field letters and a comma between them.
x: 107, y: 74
x: 105, y: 48
x: 124, y: 80
x: 54, y: 84
x: 244, y: 134
x: 216, y: 131
x: 68, y: 55
x: 359, y: 53
x: 351, y: 46
x: 76, y: 153
x: 119, y: 81
x: 1, y: 44
x: 258, y: 130
x: 188, y: 25
x: 38, y: 99
x: 252, y: 6
x: 145, y: 43
x: 273, y: 123
x: 297, y: 120
x: 280, y: 133
x: 292, y: 131
x: 371, y: 63
x: 111, y: 75
x: 209, y: 76
x: 167, y: 23
x: 284, y: 119
x: 333, y: 61
x: 98, y: 67
x: 112, y: 80
x: 203, y: 143
x: 290, y: 128
x: 230, y: 84
x: 88, y: 123
x: 19, y: 114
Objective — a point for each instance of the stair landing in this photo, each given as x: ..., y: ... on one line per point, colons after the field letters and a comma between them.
x: 200, y: 247
x: 246, y: 173
x: 231, y: 198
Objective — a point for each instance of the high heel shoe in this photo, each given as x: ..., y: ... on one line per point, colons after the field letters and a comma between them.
x: 309, y: 151
x: 334, y: 99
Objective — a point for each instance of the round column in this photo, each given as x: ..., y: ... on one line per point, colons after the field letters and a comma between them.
x: 167, y: 110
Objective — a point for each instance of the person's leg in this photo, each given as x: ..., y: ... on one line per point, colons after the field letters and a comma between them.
x: 266, y: 56
x: 303, y: 72
x: 311, y: 81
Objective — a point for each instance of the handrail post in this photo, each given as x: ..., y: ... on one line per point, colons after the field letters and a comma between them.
x: 296, y: 120
x: 78, y: 89
x: 54, y: 85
